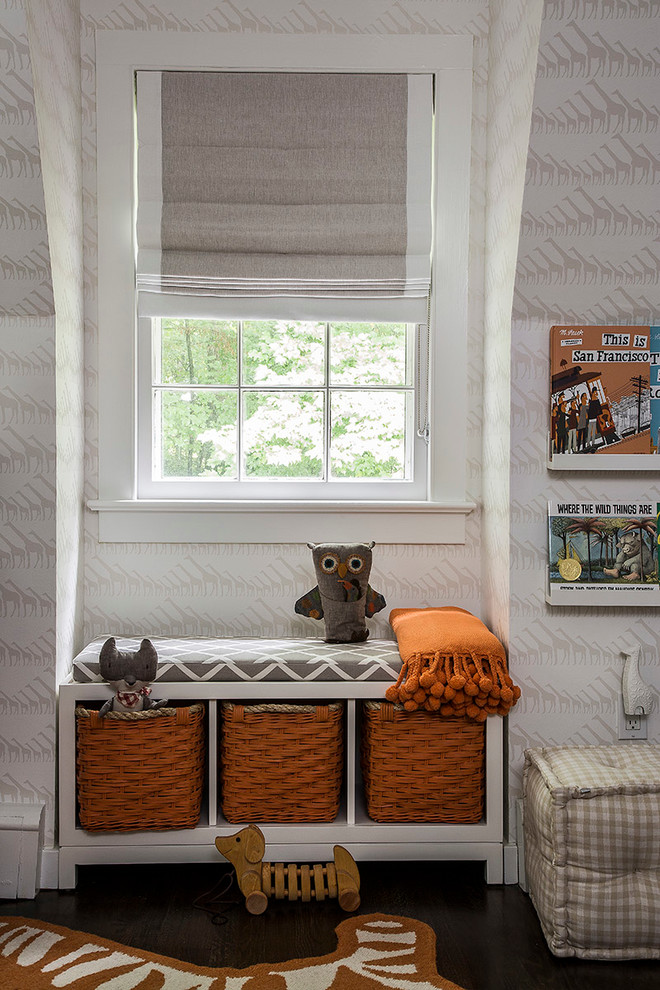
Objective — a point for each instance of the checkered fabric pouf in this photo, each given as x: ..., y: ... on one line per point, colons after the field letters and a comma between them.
x: 592, y: 848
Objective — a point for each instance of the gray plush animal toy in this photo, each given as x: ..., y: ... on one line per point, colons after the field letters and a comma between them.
x: 129, y: 673
x: 343, y: 597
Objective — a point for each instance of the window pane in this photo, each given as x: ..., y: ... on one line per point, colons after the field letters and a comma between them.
x: 283, y: 435
x: 198, y: 432
x: 281, y: 352
x: 368, y: 434
x: 198, y: 352
x: 368, y: 354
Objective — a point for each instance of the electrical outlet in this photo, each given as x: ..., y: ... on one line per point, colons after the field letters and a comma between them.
x: 632, y: 726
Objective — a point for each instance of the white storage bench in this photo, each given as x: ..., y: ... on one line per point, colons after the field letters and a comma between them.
x: 249, y: 670
x: 592, y: 848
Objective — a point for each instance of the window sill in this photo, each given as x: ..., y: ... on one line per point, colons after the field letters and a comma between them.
x: 170, y: 521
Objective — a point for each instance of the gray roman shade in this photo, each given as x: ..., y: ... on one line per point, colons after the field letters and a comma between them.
x: 266, y: 184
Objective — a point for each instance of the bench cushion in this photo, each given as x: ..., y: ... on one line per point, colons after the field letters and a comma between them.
x: 255, y: 660
x: 592, y: 848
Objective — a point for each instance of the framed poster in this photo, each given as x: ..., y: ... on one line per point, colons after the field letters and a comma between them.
x: 603, y: 553
x: 604, y: 400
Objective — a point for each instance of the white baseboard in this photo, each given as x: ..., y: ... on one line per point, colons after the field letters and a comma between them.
x: 50, y: 862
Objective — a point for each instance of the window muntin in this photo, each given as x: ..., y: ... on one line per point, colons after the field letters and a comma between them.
x: 247, y: 403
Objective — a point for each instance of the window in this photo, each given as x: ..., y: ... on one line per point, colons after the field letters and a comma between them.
x: 269, y: 388
x: 282, y: 190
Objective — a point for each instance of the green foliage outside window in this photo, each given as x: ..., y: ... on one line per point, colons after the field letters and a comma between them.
x: 281, y: 367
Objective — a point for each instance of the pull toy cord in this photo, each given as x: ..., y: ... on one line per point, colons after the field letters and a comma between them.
x: 213, y: 902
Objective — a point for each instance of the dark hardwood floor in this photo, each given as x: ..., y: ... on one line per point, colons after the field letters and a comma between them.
x: 488, y: 938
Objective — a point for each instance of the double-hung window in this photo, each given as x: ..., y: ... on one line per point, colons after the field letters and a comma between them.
x: 292, y: 304
x: 300, y: 205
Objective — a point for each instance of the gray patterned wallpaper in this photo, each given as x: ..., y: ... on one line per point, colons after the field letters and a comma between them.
x: 27, y: 438
x: 588, y: 252
x: 243, y: 590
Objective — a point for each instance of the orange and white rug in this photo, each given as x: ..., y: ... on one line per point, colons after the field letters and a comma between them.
x: 373, y: 951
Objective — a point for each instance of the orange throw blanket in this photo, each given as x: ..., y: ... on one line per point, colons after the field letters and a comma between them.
x: 452, y: 664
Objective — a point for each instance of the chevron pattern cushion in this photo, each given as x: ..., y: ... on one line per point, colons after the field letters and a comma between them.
x: 255, y: 660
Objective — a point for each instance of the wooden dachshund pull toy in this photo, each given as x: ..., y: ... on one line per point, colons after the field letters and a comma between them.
x: 288, y: 881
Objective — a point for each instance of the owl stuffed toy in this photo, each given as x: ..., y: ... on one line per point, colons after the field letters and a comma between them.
x: 343, y: 597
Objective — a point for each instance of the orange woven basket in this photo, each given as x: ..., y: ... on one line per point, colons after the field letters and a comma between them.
x: 421, y: 767
x: 140, y: 770
x: 281, y: 762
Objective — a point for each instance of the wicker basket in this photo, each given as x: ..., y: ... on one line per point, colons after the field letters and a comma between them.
x: 281, y: 762
x: 140, y: 771
x: 421, y: 767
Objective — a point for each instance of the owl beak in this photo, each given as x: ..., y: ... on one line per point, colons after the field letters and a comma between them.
x: 342, y: 571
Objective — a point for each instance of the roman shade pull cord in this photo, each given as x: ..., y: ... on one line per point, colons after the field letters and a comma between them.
x: 422, y: 387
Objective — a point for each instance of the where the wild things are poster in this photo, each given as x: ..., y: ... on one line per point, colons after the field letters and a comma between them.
x: 603, y: 553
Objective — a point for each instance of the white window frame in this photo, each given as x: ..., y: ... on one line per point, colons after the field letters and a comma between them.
x: 440, y: 517
x: 266, y: 488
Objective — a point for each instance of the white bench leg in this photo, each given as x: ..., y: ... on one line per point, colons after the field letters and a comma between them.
x: 68, y: 871
x: 495, y: 866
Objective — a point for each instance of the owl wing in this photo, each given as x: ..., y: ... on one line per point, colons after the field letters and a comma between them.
x: 374, y: 603
x: 310, y: 604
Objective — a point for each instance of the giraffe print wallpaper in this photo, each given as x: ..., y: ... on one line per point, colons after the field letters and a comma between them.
x: 588, y: 252
x: 27, y: 438
x: 236, y: 590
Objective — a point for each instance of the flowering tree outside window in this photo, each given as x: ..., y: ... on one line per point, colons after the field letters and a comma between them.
x: 281, y: 399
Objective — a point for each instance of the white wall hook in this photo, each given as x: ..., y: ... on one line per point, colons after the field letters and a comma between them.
x: 637, y: 695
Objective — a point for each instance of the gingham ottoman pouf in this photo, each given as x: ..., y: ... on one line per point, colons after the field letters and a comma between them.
x: 592, y: 848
